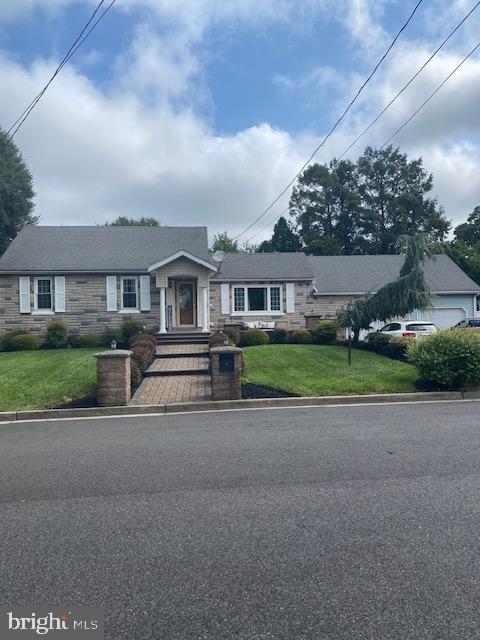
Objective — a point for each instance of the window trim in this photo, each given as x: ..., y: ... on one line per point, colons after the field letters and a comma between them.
x: 266, y: 312
x: 44, y: 312
x: 134, y: 309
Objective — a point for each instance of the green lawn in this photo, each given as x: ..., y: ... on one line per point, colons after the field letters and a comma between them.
x: 44, y: 379
x: 311, y: 370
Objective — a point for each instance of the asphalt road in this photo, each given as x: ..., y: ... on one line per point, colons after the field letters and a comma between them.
x: 323, y: 523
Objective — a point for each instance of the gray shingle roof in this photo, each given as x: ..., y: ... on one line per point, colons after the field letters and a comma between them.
x: 264, y: 266
x: 103, y: 249
x: 359, y: 274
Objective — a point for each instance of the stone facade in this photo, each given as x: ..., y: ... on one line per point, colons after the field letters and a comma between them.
x: 226, y: 385
x: 85, y: 307
x: 308, y: 310
x: 113, y: 378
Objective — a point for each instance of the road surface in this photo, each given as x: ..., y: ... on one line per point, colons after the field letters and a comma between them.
x: 300, y: 524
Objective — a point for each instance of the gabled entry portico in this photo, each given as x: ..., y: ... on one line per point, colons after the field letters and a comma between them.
x: 183, y: 281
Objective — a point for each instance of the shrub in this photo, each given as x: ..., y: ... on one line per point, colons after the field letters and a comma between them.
x: 109, y: 335
x: 279, y: 336
x: 233, y: 333
x: 25, y: 342
x: 143, y: 356
x: 78, y: 341
x: 135, y: 375
x: 253, y: 337
x: 397, y: 347
x: 378, y: 342
x: 325, y: 332
x: 144, y: 339
x: 131, y: 328
x: 217, y: 339
x: 301, y: 336
x: 449, y: 357
x: 6, y: 340
x: 57, y: 335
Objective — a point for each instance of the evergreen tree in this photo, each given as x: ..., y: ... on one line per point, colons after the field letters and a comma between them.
x: 284, y: 239
x: 16, y: 192
x: 124, y: 221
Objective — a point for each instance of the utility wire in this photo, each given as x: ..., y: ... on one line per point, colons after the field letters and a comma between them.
x: 73, y: 49
x: 402, y: 90
x: 434, y: 93
x: 337, y: 123
x: 427, y: 62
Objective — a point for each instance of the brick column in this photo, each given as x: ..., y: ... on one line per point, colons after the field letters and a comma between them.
x: 113, y: 378
x: 226, y: 371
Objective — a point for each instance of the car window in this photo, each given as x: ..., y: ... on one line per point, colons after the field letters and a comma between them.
x: 386, y: 327
x: 419, y: 327
x: 395, y: 326
x: 474, y: 323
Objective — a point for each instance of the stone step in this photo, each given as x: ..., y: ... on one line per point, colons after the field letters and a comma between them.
x: 190, y: 365
x: 181, y: 350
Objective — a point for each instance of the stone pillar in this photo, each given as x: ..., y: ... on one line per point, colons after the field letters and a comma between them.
x: 205, y: 305
x: 113, y: 378
x: 163, y: 321
x: 226, y: 371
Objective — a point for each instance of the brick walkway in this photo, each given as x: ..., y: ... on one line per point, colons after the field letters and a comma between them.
x: 170, y: 389
x: 178, y: 374
x: 171, y: 365
x: 180, y: 349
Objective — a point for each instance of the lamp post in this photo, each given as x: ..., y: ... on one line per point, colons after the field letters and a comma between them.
x: 349, y: 318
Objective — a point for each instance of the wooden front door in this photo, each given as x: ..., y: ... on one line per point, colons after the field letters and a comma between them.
x: 186, y: 303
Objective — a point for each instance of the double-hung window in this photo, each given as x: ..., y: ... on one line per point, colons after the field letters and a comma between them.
x: 129, y: 292
x: 43, y: 294
x: 252, y: 299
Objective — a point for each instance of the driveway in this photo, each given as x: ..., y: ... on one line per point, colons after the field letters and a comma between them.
x: 323, y: 523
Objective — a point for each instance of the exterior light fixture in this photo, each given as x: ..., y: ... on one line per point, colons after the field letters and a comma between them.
x: 113, y: 344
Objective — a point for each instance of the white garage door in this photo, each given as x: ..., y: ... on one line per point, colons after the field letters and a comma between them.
x: 444, y: 318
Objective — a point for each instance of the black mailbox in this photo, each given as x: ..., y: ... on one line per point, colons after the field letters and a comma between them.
x: 226, y: 362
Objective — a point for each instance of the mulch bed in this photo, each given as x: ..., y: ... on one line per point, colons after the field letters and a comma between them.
x: 252, y: 391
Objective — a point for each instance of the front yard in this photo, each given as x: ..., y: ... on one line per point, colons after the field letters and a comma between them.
x: 313, y: 370
x: 44, y: 379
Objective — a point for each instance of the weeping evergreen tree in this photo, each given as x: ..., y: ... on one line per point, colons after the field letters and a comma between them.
x: 410, y: 291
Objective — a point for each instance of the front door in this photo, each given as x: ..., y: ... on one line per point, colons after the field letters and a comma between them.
x: 186, y: 303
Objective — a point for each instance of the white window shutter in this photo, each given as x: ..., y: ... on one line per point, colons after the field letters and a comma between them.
x: 60, y: 293
x: 24, y: 289
x: 145, y: 293
x: 111, y: 293
x: 225, y: 298
x: 290, y: 291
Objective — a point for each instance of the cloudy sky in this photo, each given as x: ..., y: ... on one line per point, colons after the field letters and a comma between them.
x: 201, y: 111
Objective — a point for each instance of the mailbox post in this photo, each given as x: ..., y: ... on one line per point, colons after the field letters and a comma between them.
x: 226, y: 371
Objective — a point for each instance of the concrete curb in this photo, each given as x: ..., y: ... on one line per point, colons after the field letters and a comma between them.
x: 93, y: 412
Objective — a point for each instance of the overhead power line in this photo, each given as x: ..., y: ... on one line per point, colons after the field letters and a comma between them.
x: 407, y: 121
x: 402, y: 90
x: 432, y: 95
x: 85, y: 32
x: 405, y: 86
x: 337, y: 123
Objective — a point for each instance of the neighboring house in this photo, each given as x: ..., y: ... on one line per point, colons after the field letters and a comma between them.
x: 96, y: 277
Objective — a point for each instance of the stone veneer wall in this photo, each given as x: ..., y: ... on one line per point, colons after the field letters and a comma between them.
x: 306, y: 305
x: 85, y: 304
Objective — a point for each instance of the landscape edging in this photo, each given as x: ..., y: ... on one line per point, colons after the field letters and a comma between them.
x: 211, y: 405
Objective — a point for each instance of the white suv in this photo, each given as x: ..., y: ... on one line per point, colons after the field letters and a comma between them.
x: 411, y: 329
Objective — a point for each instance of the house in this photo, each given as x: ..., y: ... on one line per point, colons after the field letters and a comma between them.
x: 96, y: 277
